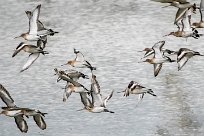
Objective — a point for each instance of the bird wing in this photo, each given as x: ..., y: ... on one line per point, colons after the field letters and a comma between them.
x: 96, y: 99
x: 79, y: 55
x: 201, y: 9
x: 21, y: 123
x: 6, y: 97
x: 181, y: 53
x: 33, y: 21
x: 148, y: 53
x: 95, y: 85
x: 41, y: 43
x: 157, y: 68
x: 40, y: 121
x: 19, y: 48
x: 202, y: 4
x: 95, y: 92
x: 126, y: 92
x: 39, y: 23
x: 107, y: 98
x: 186, y: 24
x: 182, y: 62
x: 29, y: 14
x: 32, y: 58
x: 40, y: 26
x: 179, y: 14
x: 158, y: 49
x: 85, y: 100
x: 67, y: 92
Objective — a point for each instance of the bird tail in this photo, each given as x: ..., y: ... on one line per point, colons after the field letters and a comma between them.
x: 52, y: 32
x: 44, y: 52
x: 151, y: 92
x: 92, y: 68
x: 106, y: 110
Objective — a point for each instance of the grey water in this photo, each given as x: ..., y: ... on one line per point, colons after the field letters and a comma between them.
x: 109, y: 33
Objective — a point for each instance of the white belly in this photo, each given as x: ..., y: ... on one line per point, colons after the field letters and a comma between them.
x: 97, y: 109
x: 32, y: 37
x: 14, y: 113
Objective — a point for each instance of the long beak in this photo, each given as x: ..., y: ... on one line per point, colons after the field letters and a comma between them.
x: 166, y: 35
x: 140, y: 51
x: 166, y: 6
x: 142, y: 61
x: 59, y: 78
x: 17, y: 37
x: 81, y: 109
x: 86, y: 77
x: 121, y: 91
x: 64, y: 64
x: 15, y: 52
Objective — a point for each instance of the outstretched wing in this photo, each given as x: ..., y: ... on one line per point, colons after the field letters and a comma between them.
x: 6, y: 97
x: 39, y: 23
x: 39, y: 121
x: 107, y: 98
x: 158, y: 49
x: 33, y: 21
x: 179, y: 14
x: 67, y: 92
x: 157, y: 68
x: 32, y: 58
x: 21, y: 123
x: 85, y: 100
x: 182, y: 62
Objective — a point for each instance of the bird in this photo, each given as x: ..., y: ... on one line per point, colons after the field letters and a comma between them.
x: 6, y: 97
x: 40, y: 27
x: 186, y: 30
x: 184, y: 54
x: 34, y: 51
x: 32, y: 35
x: 135, y: 88
x: 201, y: 23
x: 98, y: 104
x: 18, y: 113
x: 194, y: 33
x: 37, y: 115
x: 28, y: 48
x: 150, y: 51
x: 71, y: 86
x: 85, y: 100
x: 184, y: 9
x: 159, y: 58
x: 18, y: 116
x: 79, y: 61
x: 75, y: 75
x: 183, y: 14
x: 19, y: 119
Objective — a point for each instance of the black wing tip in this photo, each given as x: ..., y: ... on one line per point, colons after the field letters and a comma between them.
x: 93, y: 68
x: 39, y: 6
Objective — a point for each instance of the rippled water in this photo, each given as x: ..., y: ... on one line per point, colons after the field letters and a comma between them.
x: 109, y: 33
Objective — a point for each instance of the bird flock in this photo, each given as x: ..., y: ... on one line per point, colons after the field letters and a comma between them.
x: 92, y: 98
